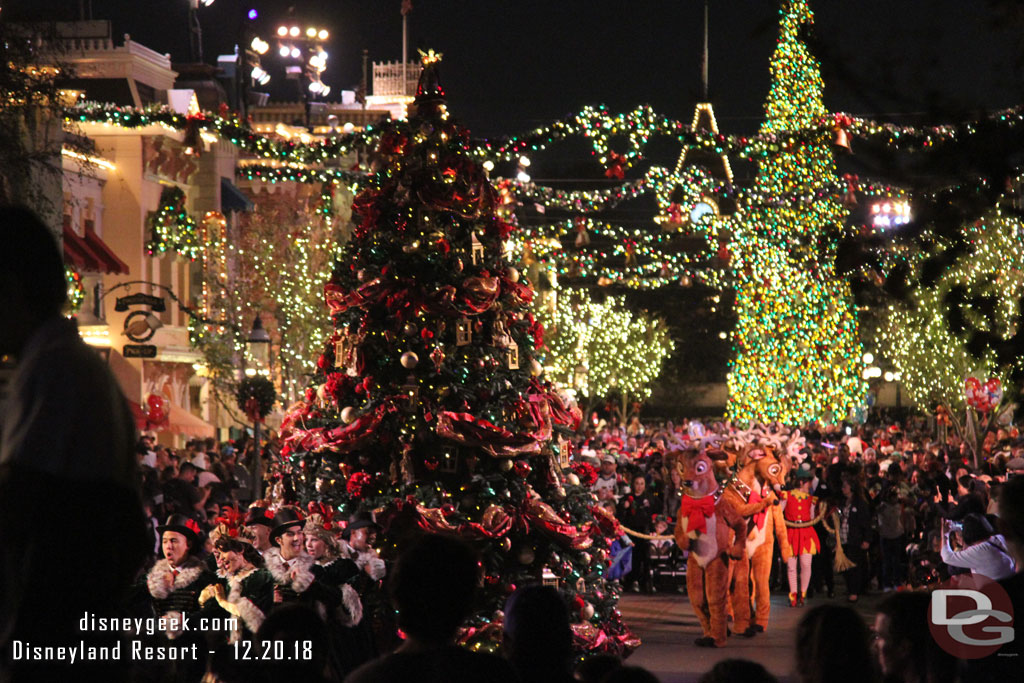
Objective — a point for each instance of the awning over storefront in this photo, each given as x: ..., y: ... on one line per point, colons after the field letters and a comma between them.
x: 111, y: 263
x: 91, y: 253
x: 179, y: 421
x: 233, y: 199
x: 78, y: 253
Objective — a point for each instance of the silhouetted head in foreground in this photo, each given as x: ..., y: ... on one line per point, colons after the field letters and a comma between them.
x: 433, y: 586
x: 32, y: 285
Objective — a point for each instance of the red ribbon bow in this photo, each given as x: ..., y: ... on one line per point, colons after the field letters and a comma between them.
x: 191, y: 525
x: 697, y: 511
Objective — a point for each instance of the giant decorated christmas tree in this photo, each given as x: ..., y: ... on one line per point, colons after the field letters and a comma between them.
x: 797, y: 346
x: 427, y: 407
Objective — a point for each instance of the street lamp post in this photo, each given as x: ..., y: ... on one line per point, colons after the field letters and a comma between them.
x: 258, y: 345
x: 195, y: 34
x: 890, y: 377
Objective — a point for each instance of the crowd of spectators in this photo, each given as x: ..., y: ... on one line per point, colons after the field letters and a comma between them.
x: 914, y: 508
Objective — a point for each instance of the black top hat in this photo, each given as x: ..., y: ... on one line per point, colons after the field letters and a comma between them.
x: 185, y: 526
x: 360, y: 520
x: 259, y: 515
x: 286, y: 518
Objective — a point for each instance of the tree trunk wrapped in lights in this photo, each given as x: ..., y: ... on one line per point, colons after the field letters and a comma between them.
x: 428, y: 407
x: 797, y: 347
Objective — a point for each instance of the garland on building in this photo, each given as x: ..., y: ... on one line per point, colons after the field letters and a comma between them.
x: 637, y: 128
x: 76, y: 290
x: 171, y: 228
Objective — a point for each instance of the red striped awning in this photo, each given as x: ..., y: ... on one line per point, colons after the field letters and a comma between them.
x: 91, y: 253
x: 78, y: 252
x: 111, y: 263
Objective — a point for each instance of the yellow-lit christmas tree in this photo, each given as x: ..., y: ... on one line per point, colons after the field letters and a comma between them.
x: 797, y: 347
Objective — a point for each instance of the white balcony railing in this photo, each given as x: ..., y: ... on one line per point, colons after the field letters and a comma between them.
x: 387, y: 78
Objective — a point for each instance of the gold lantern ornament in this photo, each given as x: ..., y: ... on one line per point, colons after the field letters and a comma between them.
x: 463, y: 332
x: 512, y: 354
x: 476, y: 250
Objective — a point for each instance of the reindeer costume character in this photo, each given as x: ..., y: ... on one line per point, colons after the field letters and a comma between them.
x: 752, y: 489
x: 713, y: 532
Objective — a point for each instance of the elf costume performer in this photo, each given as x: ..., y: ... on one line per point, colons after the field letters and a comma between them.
x: 712, y: 531
x: 798, y: 508
x: 753, y: 491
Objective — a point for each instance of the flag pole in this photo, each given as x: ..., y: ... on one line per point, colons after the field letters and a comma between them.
x: 405, y: 50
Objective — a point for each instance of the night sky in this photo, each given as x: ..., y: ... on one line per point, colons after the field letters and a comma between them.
x: 510, y: 66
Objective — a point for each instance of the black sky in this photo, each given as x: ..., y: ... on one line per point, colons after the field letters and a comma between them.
x: 510, y: 66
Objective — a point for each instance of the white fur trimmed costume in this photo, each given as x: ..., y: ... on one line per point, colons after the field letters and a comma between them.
x: 183, y: 598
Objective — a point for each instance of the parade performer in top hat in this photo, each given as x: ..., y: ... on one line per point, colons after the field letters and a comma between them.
x: 259, y: 521
x: 244, y: 590
x: 175, y: 583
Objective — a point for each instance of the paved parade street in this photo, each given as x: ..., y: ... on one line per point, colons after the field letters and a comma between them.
x: 666, y: 624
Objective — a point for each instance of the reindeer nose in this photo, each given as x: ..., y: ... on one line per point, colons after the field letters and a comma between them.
x: 688, y: 482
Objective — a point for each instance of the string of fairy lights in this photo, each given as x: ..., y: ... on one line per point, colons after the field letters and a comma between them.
x: 282, y: 278
x: 627, y: 133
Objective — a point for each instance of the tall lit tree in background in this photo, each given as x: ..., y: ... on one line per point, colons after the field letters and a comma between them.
x: 429, y: 407
x: 954, y: 320
x: 273, y: 264
x: 602, y: 348
x: 797, y: 346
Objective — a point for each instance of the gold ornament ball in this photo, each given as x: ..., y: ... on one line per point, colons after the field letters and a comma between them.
x: 409, y: 360
x: 572, y: 479
x: 505, y: 465
x: 361, y: 275
x: 513, y: 274
x: 409, y: 329
x: 535, y: 367
x: 348, y: 415
x: 587, y: 612
x: 526, y: 555
x: 506, y: 544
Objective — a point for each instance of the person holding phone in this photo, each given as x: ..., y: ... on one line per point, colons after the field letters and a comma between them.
x: 983, y: 551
